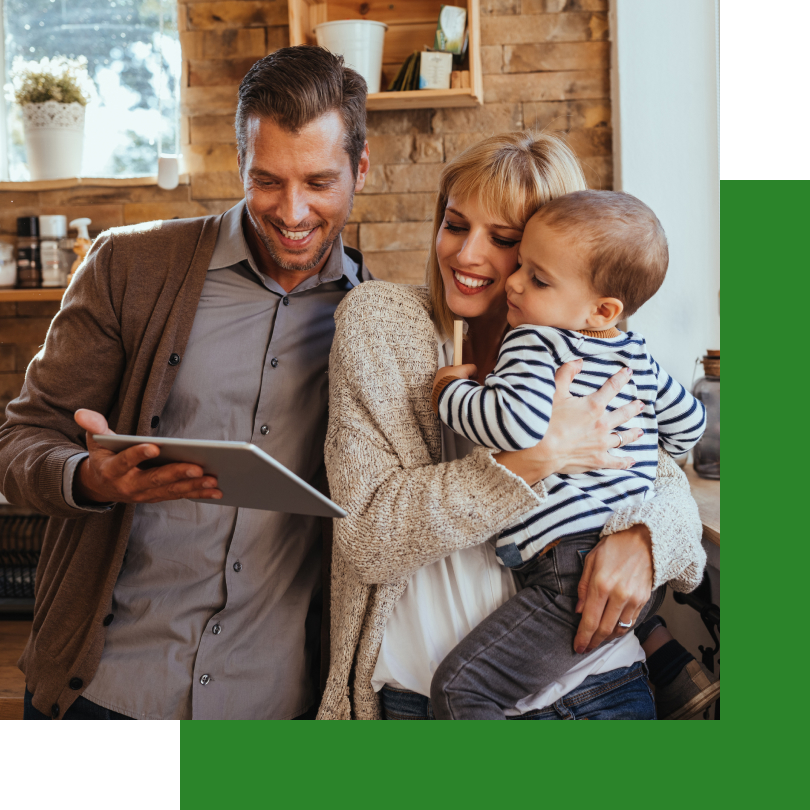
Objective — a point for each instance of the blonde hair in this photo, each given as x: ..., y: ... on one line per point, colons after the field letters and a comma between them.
x: 511, y: 176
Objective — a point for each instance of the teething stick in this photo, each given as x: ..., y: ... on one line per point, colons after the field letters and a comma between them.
x: 458, y: 338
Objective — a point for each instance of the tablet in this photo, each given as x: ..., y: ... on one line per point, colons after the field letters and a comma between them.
x: 247, y: 476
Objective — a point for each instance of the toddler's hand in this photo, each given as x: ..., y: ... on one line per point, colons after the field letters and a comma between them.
x: 462, y: 372
x: 459, y: 372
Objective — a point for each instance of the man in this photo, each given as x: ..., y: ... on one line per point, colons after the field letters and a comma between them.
x: 148, y: 604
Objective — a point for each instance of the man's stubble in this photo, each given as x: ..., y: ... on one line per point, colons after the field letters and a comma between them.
x: 322, y: 250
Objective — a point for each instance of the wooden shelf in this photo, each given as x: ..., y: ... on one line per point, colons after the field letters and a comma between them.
x: 78, y: 182
x: 411, y: 26
x: 42, y: 294
x: 420, y: 99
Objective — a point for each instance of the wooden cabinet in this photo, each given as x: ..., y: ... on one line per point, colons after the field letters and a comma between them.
x: 411, y: 26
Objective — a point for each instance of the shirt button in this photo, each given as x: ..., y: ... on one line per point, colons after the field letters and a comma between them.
x: 55, y: 711
x: 204, y: 679
x: 108, y: 619
x: 237, y: 566
x: 174, y: 359
x: 76, y: 683
x: 274, y: 362
x: 216, y: 629
x: 285, y: 301
x: 265, y: 430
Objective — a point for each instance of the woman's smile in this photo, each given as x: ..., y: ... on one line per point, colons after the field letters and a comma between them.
x: 470, y: 283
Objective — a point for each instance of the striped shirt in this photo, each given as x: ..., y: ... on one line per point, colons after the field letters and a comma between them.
x: 511, y: 411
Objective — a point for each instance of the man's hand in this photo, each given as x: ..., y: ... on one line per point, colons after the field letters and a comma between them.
x: 106, y: 476
x: 616, y: 583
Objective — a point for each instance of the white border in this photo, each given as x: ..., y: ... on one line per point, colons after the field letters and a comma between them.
x: 764, y: 90
x: 122, y: 765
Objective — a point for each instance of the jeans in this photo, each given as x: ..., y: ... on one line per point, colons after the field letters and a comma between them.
x: 523, y: 646
x: 80, y: 709
x: 621, y: 694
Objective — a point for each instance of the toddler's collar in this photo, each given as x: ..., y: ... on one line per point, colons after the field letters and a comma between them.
x: 605, y: 333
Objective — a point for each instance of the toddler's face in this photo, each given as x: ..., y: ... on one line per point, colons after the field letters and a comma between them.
x: 551, y: 285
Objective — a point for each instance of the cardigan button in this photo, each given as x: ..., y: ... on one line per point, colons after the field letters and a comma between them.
x: 108, y: 619
x: 155, y: 421
x: 76, y: 683
x: 174, y: 359
x: 55, y: 711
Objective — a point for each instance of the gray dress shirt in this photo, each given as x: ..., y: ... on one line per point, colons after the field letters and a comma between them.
x: 212, y: 608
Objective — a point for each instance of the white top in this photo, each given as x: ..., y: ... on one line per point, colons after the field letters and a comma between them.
x: 444, y: 601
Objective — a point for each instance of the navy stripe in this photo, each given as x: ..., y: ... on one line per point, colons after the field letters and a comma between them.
x: 590, y: 513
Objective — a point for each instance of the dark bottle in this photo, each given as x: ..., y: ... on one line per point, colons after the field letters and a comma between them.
x: 707, y: 390
x: 29, y: 265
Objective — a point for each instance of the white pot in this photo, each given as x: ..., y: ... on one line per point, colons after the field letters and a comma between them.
x: 54, y: 137
x: 360, y: 43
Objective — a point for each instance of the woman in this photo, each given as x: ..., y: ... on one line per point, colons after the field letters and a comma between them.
x: 411, y: 571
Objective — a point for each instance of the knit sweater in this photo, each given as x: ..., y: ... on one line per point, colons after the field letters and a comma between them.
x: 407, y: 509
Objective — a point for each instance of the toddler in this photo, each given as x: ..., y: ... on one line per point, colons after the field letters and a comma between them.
x: 588, y: 259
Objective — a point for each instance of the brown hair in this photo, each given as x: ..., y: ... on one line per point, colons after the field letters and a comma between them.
x: 511, y: 175
x: 294, y: 86
x: 625, y: 243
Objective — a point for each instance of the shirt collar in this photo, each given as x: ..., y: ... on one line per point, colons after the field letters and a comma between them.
x: 232, y: 248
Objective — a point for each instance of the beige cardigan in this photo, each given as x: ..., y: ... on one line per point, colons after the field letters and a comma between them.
x: 406, y: 509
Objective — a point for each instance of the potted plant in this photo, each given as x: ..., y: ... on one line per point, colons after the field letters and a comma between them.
x: 53, y: 94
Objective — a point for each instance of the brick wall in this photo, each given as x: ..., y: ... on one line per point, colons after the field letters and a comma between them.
x: 546, y: 65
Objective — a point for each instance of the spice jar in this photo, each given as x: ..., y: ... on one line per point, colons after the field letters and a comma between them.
x: 707, y: 390
x: 29, y: 268
x: 52, y: 229
x: 8, y: 266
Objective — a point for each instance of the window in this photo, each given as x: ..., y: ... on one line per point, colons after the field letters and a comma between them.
x: 133, y: 55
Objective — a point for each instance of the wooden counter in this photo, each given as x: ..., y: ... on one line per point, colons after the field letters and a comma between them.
x: 707, y: 495
x: 13, y: 637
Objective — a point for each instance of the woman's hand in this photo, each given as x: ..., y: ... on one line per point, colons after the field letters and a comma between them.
x: 615, y: 585
x: 580, y: 432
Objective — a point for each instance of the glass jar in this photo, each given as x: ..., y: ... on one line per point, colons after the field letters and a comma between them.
x: 707, y: 390
x: 52, y: 229
x: 8, y: 266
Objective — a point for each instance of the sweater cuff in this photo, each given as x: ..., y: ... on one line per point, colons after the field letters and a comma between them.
x: 68, y: 476
x: 533, y: 496
x: 52, y: 481
x: 437, y: 391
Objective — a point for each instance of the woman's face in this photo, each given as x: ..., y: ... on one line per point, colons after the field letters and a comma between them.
x: 476, y: 256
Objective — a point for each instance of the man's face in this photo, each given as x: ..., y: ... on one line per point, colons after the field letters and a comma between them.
x: 299, y: 189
